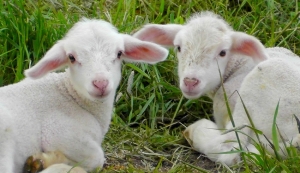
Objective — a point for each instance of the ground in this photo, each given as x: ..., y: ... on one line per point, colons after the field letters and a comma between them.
x: 134, y: 149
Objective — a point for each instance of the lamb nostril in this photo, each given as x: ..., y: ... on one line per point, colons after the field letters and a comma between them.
x: 101, y: 84
x: 191, y: 82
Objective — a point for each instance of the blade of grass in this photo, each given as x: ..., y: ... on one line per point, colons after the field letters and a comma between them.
x: 274, y: 133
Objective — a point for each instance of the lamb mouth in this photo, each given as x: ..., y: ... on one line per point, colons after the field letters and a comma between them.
x: 191, y: 95
x: 99, y: 95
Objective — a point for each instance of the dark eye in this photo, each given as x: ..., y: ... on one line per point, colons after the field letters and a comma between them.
x: 72, y: 59
x: 119, y: 54
x: 222, y: 53
x: 178, y: 48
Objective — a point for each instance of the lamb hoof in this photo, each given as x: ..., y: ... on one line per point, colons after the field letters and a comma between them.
x: 32, y: 166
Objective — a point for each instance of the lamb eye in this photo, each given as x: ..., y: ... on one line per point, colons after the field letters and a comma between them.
x: 178, y: 48
x: 222, y: 53
x: 119, y: 54
x: 72, y: 58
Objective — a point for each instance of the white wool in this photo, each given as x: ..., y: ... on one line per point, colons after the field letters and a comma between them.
x: 62, y: 168
x: 68, y: 112
x: 208, y: 48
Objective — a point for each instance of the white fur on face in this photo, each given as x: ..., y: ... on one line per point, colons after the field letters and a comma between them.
x: 201, y: 41
x: 93, y: 50
x: 96, y: 55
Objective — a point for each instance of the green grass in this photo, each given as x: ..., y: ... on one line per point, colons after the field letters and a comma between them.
x: 145, y: 134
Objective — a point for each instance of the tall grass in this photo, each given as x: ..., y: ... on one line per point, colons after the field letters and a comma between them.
x: 150, y: 118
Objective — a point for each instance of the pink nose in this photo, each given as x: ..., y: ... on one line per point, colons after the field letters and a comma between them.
x: 191, y: 83
x: 101, y: 84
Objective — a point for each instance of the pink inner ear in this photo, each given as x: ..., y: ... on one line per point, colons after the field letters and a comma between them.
x: 136, y: 52
x: 45, y: 67
x: 250, y: 48
x: 143, y: 53
x: 157, y: 36
x: 247, y: 47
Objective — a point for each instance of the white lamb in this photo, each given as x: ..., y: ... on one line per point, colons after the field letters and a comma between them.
x: 207, y: 47
x: 63, y: 117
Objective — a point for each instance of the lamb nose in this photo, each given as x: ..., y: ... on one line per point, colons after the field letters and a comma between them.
x: 101, y: 84
x: 191, y: 82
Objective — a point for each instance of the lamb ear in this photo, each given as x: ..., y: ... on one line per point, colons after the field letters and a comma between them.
x: 136, y: 50
x: 160, y: 34
x: 54, y: 59
x: 248, y: 45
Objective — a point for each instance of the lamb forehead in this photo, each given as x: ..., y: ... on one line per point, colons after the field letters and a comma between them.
x: 205, y: 31
x: 89, y: 29
x: 209, y: 17
x: 93, y: 35
x: 91, y: 25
